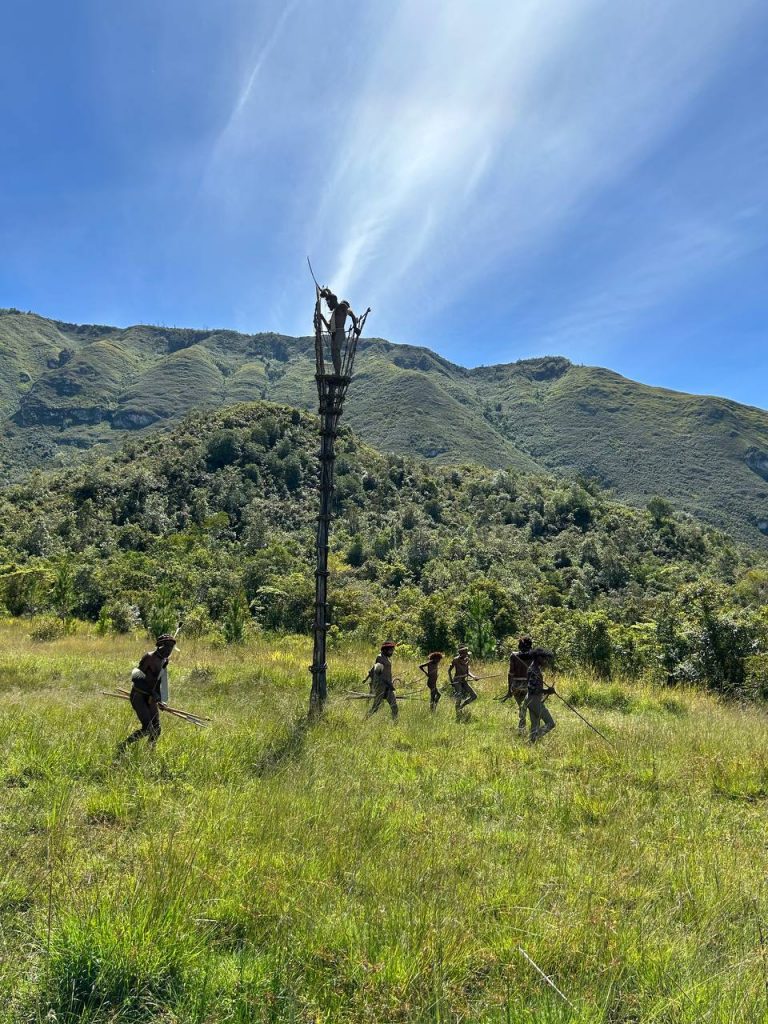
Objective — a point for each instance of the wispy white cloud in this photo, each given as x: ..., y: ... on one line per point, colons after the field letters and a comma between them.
x: 235, y: 124
x: 661, y: 265
x: 480, y: 131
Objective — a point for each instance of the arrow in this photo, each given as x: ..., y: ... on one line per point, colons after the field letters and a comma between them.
x: 355, y: 695
x: 176, y: 712
x: 546, y: 977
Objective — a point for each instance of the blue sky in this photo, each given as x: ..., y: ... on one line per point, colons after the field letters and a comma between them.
x: 496, y: 179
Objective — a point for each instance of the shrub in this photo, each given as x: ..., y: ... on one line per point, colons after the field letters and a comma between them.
x: 162, y: 615
x: 197, y: 622
x: 48, y: 629
x: 592, y: 645
x: 356, y: 553
x: 660, y: 510
x: 721, y: 646
x: 22, y: 591
x: 236, y: 618
x: 63, y: 587
x: 119, y: 617
x: 435, y: 633
x: 222, y: 450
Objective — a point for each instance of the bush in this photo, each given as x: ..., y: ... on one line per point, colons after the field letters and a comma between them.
x: 592, y: 645
x: 197, y: 622
x: 223, y: 449
x: 356, y: 553
x: 162, y: 615
x: 660, y: 510
x: 48, y: 629
x: 236, y: 618
x: 435, y: 633
x: 721, y: 647
x: 119, y: 617
x: 476, y: 626
x: 22, y: 592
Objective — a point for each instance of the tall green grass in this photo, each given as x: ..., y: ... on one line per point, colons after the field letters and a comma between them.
x: 365, y: 870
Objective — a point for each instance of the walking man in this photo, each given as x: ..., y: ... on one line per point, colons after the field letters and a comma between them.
x: 430, y: 668
x: 459, y: 675
x: 381, y: 684
x: 517, y: 679
x: 537, y: 691
x: 146, y: 691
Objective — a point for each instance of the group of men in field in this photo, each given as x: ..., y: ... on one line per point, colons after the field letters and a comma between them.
x: 525, y: 684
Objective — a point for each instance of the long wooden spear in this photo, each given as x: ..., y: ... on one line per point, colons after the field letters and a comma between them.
x: 584, y: 720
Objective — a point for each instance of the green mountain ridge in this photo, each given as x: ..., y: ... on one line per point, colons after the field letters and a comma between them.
x: 66, y: 388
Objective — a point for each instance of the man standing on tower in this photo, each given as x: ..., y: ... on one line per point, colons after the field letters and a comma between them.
x: 336, y: 325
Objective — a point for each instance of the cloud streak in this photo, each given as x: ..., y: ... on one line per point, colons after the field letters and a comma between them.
x: 654, y: 270
x: 235, y: 123
x: 480, y: 133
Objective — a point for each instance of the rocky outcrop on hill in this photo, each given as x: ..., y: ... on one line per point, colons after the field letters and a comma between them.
x: 757, y: 462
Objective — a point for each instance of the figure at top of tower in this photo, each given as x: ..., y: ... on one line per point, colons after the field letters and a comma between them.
x: 336, y: 325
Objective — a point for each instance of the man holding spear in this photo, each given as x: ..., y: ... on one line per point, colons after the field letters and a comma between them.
x: 537, y: 692
x: 146, y: 697
x: 336, y: 325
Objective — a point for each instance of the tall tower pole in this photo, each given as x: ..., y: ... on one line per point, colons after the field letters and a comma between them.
x: 335, y: 348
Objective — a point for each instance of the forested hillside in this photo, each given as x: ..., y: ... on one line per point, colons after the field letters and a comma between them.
x: 66, y: 388
x: 214, y: 522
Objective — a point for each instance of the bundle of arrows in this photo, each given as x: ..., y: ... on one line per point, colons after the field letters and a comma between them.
x: 186, y: 716
x: 356, y: 695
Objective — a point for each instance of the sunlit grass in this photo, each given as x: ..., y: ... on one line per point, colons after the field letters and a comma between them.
x: 364, y: 870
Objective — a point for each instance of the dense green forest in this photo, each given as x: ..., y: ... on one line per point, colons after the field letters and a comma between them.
x: 214, y: 523
x: 66, y: 389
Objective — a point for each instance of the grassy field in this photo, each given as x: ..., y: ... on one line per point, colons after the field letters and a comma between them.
x: 364, y: 870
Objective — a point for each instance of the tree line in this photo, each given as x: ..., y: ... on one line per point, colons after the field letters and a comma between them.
x: 214, y: 523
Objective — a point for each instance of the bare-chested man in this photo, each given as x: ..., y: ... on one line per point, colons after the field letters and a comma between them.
x: 517, y: 678
x: 459, y: 675
x: 430, y: 668
x: 336, y: 325
x: 146, y: 693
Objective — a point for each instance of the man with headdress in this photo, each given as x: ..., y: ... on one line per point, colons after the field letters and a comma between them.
x: 336, y: 325
x: 459, y: 675
x: 430, y: 668
x: 517, y: 678
x: 146, y: 696
x: 537, y: 692
x: 381, y: 683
